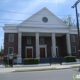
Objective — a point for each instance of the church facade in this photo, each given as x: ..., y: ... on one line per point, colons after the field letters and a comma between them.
x: 40, y: 36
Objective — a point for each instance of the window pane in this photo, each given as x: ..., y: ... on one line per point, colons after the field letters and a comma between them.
x: 73, y: 38
x: 10, y: 50
x: 11, y: 38
x: 28, y: 40
x: 73, y: 49
x: 42, y: 40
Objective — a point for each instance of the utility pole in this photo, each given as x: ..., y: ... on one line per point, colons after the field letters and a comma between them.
x: 77, y: 15
x: 75, y: 6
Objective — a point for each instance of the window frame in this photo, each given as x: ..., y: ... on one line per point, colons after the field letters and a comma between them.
x: 28, y: 41
x: 9, y: 48
x: 72, y: 38
x: 9, y: 38
x: 41, y: 40
x: 45, y: 19
x: 75, y: 49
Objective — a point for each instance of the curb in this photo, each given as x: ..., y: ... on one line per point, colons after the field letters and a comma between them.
x: 39, y: 69
x: 28, y: 70
x: 45, y: 69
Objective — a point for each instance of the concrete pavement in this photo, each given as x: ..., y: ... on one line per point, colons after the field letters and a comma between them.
x: 64, y: 74
x: 37, y: 67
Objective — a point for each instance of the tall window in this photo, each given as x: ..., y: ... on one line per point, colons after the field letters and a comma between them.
x: 10, y: 50
x: 73, y: 49
x: 72, y: 38
x: 41, y: 40
x: 28, y: 40
x: 11, y: 38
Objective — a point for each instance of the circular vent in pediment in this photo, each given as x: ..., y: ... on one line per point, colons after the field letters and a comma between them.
x: 45, y: 19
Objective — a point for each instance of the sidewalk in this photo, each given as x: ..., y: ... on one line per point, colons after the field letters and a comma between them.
x: 37, y: 67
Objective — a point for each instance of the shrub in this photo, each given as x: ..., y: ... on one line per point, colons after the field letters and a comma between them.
x: 70, y: 58
x: 30, y: 61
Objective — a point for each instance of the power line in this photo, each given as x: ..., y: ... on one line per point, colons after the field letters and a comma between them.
x: 13, y: 12
x: 1, y: 26
x: 29, y: 13
x: 27, y: 18
x: 28, y: 22
x: 11, y: 20
x: 39, y: 24
x: 20, y: 22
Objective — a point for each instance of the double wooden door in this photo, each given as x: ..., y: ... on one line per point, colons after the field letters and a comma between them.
x: 42, y: 52
x: 29, y: 52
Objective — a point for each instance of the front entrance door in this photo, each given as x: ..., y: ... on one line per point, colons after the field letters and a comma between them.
x: 29, y: 52
x: 42, y: 52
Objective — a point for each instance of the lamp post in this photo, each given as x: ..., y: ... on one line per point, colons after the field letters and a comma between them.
x: 75, y: 6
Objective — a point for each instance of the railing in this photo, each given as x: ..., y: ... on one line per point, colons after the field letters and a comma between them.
x: 52, y: 60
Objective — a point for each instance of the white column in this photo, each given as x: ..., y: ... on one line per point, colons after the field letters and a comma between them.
x: 68, y: 44
x: 37, y: 46
x: 53, y: 45
x: 19, y: 58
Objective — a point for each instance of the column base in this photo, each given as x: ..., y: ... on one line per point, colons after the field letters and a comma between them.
x: 38, y: 57
x: 69, y: 55
x: 19, y: 60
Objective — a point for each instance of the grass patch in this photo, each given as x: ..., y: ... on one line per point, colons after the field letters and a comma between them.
x: 75, y: 67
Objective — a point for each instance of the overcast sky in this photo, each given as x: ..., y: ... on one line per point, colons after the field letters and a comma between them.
x: 60, y: 8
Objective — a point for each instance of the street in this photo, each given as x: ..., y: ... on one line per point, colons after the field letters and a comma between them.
x: 64, y: 74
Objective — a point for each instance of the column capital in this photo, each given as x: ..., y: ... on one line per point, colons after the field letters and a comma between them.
x: 67, y: 33
x: 53, y: 33
x: 19, y: 32
x: 37, y: 32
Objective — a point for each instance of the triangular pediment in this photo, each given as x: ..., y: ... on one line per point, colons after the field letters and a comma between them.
x: 36, y: 20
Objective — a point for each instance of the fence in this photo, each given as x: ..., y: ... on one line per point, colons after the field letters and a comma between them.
x: 1, y: 58
x: 52, y: 60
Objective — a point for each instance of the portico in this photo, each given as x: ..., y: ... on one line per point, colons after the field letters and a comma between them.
x: 46, y: 48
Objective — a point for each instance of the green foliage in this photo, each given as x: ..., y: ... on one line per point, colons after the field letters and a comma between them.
x: 70, y: 58
x: 69, y: 21
x: 2, y: 51
x: 30, y: 61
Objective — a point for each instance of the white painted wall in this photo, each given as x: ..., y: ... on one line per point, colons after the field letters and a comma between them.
x: 36, y: 20
x: 35, y: 24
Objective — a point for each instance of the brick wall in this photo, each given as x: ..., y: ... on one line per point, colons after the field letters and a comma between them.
x: 61, y: 43
x: 48, y: 41
x: 74, y: 44
x: 24, y: 45
x: 10, y: 44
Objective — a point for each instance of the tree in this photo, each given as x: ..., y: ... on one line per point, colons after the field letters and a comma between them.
x: 2, y: 51
x: 69, y: 21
